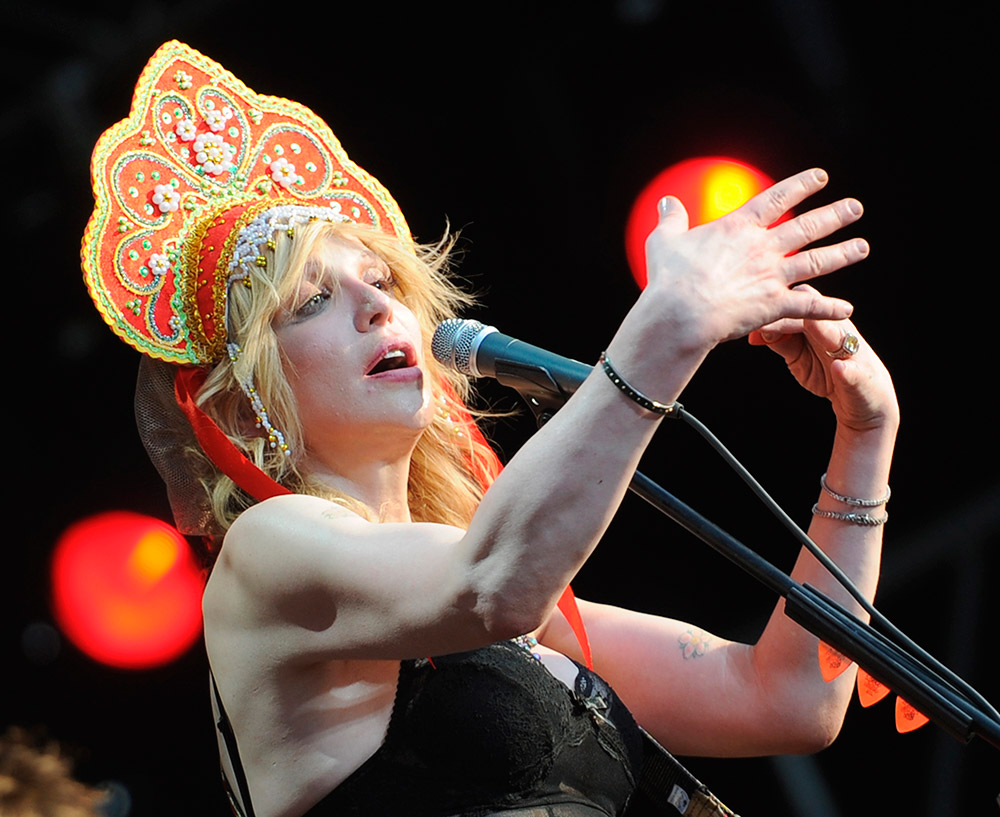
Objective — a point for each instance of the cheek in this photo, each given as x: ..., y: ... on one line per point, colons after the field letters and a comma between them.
x: 310, y: 372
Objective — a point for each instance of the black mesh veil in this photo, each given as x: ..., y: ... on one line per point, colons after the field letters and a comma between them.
x: 171, y: 445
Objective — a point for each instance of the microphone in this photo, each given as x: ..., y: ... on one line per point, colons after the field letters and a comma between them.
x: 544, y: 379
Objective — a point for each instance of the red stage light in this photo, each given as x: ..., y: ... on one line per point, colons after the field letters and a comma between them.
x: 126, y: 590
x: 708, y: 187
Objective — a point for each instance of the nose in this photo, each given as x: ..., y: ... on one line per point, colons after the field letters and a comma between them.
x: 374, y: 308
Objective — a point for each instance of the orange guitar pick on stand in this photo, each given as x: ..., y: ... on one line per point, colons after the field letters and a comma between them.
x: 870, y: 691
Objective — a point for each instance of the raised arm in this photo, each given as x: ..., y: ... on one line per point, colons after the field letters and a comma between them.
x: 862, y: 396
x: 328, y: 583
x: 701, y: 694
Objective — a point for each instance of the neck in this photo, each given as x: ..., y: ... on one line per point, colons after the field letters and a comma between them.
x: 380, y: 484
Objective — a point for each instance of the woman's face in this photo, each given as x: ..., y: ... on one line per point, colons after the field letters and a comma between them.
x: 353, y: 356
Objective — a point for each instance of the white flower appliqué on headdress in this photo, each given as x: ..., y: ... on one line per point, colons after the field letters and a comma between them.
x: 216, y: 118
x: 166, y: 198
x: 159, y: 263
x: 186, y: 130
x: 283, y: 172
x: 213, y: 153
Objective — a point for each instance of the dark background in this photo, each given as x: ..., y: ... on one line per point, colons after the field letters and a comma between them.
x: 531, y: 126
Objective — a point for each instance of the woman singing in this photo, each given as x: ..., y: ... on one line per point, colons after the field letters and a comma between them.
x: 381, y: 620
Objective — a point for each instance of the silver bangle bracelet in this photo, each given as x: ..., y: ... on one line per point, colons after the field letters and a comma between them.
x: 853, y: 500
x: 635, y: 395
x: 863, y: 519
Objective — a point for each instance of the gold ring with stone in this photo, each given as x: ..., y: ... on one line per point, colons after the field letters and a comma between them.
x: 849, y: 346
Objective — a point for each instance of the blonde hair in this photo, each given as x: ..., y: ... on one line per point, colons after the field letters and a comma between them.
x: 451, y: 465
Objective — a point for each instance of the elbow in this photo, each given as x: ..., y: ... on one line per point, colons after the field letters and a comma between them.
x: 504, y: 617
x: 816, y: 735
x: 810, y: 727
x: 507, y: 603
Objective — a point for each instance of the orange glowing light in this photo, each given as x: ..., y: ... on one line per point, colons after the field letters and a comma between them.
x: 709, y: 187
x: 126, y: 590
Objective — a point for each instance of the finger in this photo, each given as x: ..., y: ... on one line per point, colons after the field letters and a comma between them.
x: 828, y: 336
x: 816, y: 224
x: 788, y: 346
x: 806, y: 302
x: 810, y: 264
x: 774, y: 332
x: 823, y: 335
x: 766, y: 208
x: 673, y: 215
x: 838, y: 342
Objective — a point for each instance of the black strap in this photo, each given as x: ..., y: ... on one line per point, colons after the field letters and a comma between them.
x: 226, y: 728
x: 666, y: 787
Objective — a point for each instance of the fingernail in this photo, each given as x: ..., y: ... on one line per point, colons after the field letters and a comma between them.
x: 770, y: 337
x: 821, y: 175
x: 861, y: 246
x: 855, y: 207
x: 664, y: 205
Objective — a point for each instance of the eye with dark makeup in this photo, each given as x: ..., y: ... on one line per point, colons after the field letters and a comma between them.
x: 382, y: 279
x: 313, y: 303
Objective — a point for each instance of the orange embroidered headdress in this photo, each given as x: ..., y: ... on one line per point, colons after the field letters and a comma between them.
x: 201, y: 173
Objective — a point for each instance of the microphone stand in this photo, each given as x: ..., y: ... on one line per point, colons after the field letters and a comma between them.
x: 905, y: 674
x: 886, y: 662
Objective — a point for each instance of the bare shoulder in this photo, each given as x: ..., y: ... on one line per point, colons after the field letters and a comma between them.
x: 288, y: 514
x: 327, y: 583
x: 275, y: 541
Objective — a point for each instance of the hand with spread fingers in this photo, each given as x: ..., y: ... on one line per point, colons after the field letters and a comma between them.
x: 832, y: 360
x: 738, y: 273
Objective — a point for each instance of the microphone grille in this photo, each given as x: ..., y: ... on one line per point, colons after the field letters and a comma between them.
x: 452, y: 343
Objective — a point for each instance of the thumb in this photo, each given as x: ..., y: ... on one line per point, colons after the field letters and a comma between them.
x: 673, y: 216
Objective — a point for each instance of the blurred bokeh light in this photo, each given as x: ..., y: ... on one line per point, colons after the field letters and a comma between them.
x: 126, y: 590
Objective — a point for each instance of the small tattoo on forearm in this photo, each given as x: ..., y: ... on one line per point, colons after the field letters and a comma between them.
x: 693, y: 644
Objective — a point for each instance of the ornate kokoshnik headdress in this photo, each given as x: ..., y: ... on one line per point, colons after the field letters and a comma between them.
x: 188, y: 190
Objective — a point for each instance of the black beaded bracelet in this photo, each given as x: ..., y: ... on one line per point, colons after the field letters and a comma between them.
x: 636, y: 396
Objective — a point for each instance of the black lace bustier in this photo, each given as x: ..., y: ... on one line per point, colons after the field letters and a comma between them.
x: 489, y: 731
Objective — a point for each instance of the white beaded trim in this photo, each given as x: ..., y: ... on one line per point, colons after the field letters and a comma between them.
x: 253, y: 239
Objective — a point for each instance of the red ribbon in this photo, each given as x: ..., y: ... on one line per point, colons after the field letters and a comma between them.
x: 219, y: 448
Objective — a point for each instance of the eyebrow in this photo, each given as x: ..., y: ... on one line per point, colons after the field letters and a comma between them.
x: 373, y: 259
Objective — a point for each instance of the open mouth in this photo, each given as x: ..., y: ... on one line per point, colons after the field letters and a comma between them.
x: 394, y: 359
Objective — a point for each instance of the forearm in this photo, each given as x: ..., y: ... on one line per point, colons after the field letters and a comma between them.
x: 786, y: 656
x: 548, y: 509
